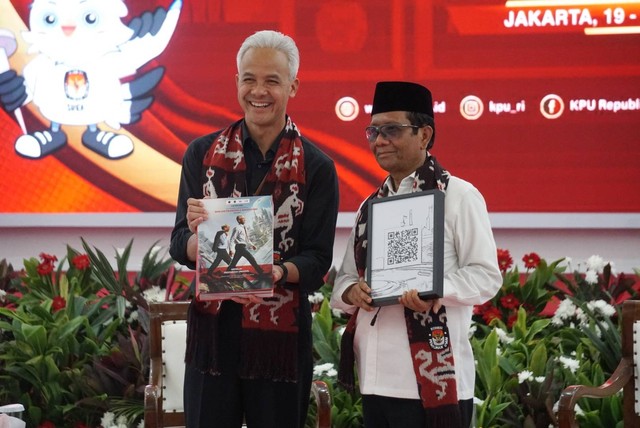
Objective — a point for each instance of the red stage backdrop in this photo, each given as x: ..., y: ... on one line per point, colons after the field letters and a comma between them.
x: 537, y: 102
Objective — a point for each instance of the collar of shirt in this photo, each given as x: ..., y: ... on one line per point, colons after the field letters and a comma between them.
x: 257, y: 164
x: 406, y: 185
x: 249, y: 143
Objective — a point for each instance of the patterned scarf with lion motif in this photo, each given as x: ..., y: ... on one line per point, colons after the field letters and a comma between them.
x: 428, y: 334
x: 269, y: 330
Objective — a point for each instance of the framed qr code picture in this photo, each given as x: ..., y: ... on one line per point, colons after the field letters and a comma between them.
x: 405, y: 246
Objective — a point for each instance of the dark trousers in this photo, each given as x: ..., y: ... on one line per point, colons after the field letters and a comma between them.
x: 222, y: 401
x: 390, y: 412
x: 241, y: 251
x: 220, y: 256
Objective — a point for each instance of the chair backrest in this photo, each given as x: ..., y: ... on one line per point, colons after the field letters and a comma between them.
x: 167, y: 344
x: 626, y: 376
x: 163, y: 401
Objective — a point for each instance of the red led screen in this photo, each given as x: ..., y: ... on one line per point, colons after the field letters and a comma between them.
x: 537, y: 102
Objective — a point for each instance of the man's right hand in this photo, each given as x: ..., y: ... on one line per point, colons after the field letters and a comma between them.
x: 196, y: 214
x: 359, y: 294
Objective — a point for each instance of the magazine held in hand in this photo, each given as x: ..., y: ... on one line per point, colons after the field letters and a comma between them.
x: 235, y: 248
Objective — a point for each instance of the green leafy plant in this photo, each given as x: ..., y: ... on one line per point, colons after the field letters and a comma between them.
x: 572, y: 337
x: 346, y: 410
x: 73, y: 344
x: 73, y: 334
x: 544, y: 330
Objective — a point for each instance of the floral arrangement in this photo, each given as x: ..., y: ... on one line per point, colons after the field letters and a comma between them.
x: 544, y: 330
x: 548, y: 327
x: 73, y: 345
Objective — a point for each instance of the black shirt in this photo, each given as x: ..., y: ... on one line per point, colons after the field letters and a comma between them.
x: 257, y: 164
x: 315, y: 242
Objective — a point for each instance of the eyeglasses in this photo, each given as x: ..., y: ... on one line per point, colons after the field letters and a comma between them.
x: 388, y: 132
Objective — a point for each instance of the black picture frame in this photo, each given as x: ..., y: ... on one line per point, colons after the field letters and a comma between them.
x: 405, y: 246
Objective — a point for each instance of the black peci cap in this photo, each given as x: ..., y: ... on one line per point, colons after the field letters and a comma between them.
x: 404, y: 96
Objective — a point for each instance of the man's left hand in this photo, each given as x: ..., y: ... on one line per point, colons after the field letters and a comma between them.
x: 412, y: 300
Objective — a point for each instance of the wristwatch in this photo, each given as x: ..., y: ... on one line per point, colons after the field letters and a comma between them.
x: 285, y: 273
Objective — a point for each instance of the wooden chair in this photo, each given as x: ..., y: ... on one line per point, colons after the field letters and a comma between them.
x: 163, y: 405
x: 626, y: 376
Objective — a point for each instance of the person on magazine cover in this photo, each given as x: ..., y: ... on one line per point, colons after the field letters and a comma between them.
x: 221, y: 248
x: 414, y: 361
x: 249, y: 357
x: 239, y: 242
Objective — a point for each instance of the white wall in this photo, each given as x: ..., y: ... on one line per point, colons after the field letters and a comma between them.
x: 615, y: 237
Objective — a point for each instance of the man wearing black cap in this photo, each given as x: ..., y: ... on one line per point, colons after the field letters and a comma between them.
x: 405, y: 380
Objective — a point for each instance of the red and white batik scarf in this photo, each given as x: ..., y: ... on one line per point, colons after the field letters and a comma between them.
x: 270, y: 330
x: 428, y: 334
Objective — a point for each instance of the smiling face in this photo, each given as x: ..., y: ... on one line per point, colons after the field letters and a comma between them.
x: 402, y: 155
x: 264, y: 89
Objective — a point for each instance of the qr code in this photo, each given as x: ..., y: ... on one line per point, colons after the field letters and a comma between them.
x: 402, y: 246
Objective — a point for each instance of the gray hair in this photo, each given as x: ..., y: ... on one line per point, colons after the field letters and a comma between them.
x: 274, y: 40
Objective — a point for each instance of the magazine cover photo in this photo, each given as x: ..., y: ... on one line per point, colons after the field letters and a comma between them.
x: 235, y: 248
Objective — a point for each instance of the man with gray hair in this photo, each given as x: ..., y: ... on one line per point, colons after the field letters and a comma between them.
x: 250, y: 357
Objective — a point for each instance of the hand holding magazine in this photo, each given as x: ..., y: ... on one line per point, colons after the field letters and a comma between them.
x: 235, y: 249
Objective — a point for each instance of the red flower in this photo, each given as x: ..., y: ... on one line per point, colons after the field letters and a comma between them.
x: 102, y: 292
x: 47, y: 424
x: 80, y: 262
x: 531, y: 261
x: 504, y: 259
x: 512, y: 320
x: 480, y: 309
x: 490, y: 314
x: 4, y: 302
x: 510, y: 301
x: 48, y: 258
x: 144, y: 283
x: 58, y: 303
x: 45, y: 268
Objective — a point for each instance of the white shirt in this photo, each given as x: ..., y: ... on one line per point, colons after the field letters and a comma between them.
x: 239, y: 235
x: 223, y: 241
x: 471, y: 277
